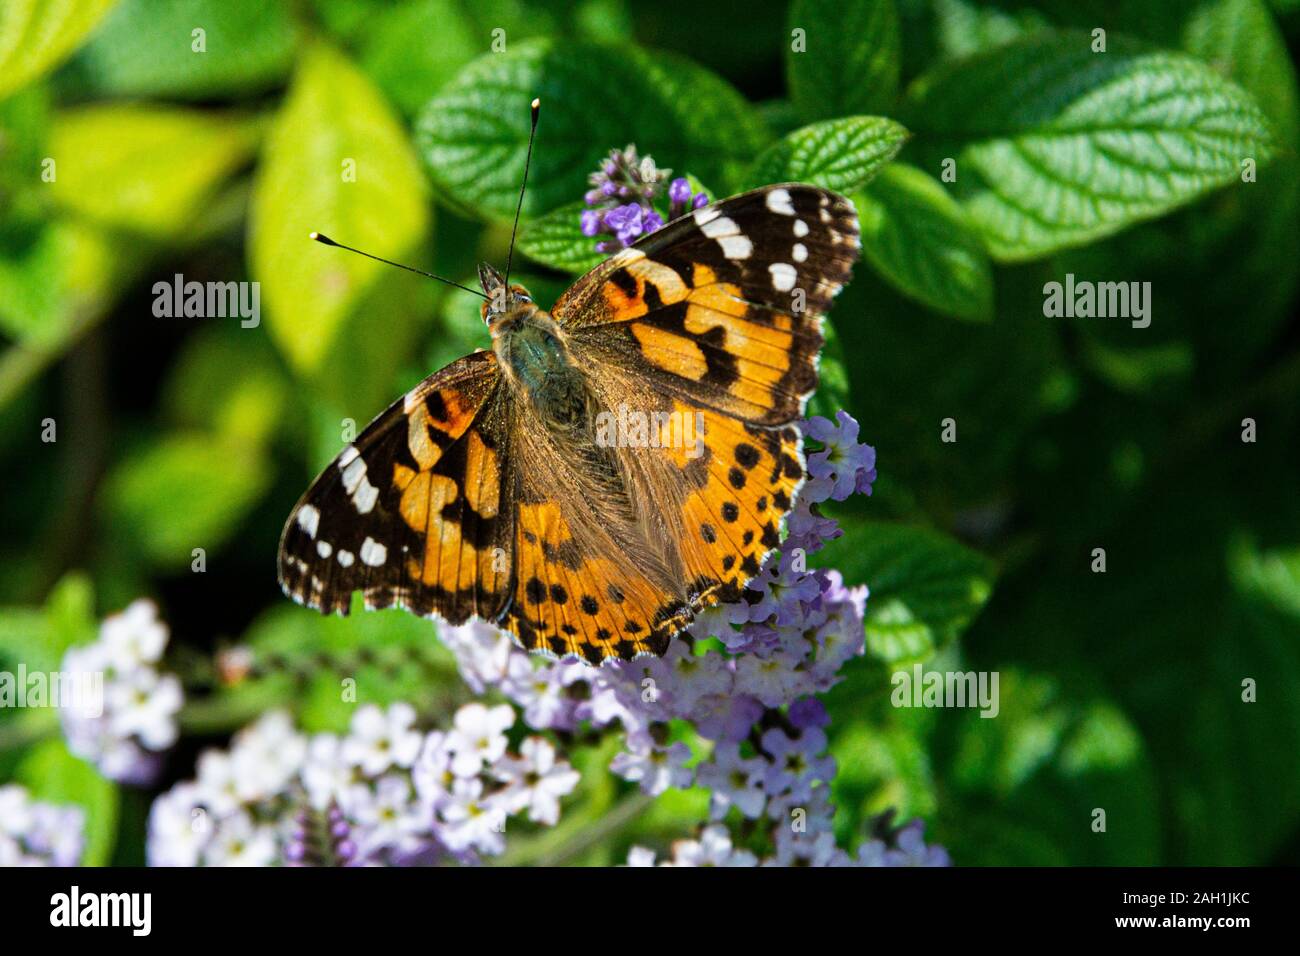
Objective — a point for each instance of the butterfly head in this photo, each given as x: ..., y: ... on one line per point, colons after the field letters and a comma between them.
x: 505, y: 305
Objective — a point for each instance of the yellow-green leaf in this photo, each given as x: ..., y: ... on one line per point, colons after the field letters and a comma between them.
x: 36, y: 35
x: 336, y: 160
x: 147, y: 169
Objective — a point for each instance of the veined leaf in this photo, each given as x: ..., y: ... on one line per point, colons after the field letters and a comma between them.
x: 336, y: 160
x: 850, y: 58
x: 925, y: 587
x: 474, y: 135
x: 921, y: 241
x: 36, y: 35
x: 556, y: 240
x: 841, y: 154
x: 143, y: 168
x: 1057, y: 145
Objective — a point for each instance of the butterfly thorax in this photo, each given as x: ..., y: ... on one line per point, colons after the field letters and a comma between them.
x: 540, y: 368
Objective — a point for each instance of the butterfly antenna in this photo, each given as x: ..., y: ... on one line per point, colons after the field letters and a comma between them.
x: 528, y: 158
x: 327, y: 241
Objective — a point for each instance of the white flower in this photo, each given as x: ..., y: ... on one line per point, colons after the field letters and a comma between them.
x: 640, y: 856
x: 390, y: 817
x: 540, y: 691
x: 15, y: 810
x: 239, y: 842
x: 473, y: 821
x: 144, y: 705
x: 656, y: 768
x: 432, y: 774
x: 712, y: 849
x: 328, y: 776
x: 380, y: 740
x: 483, y: 652
x: 478, y: 737
x: 537, y: 781
x: 133, y: 637
x: 178, y: 827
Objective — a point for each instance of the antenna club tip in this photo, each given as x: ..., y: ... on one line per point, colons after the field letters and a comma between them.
x: 321, y: 238
x: 537, y: 102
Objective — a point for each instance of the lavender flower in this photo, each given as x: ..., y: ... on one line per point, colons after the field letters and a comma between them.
x: 125, y: 732
x: 622, y: 199
x: 34, y: 833
x: 785, y: 641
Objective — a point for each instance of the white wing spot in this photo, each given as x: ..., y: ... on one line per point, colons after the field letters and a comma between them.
x: 373, y: 553
x: 783, y: 276
x: 324, y: 549
x: 364, y: 494
x: 778, y: 200
x: 365, y: 497
x: 309, y: 519
x: 345, y: 558
x: 799, y: 252
x: 800, y: 228
x: 736, y: 247
x: 347, y: 455
x: 705, y: 215
x: 716, y: 228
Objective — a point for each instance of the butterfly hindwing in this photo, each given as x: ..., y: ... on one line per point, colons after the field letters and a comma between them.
x: 411, y: 513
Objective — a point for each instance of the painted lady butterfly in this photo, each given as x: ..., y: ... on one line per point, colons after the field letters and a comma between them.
x: 507, y: 485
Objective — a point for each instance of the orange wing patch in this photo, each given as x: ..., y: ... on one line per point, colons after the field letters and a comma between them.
x: 732, y: 519
x: 595, y: 607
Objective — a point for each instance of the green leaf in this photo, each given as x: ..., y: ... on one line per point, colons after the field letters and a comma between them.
x: 301, y: 660
x: 1057, y: 146
x: 147, y: 169
x: 182, y: 492
x: 53, y: 775
x: 229, y: 380
x: 395, y: 49
x: 35, y: 35
x: 556, y: 240
x: 841, y: 154
x: 334, y: 128
x: 147, y: 48
x: 39, y: 637
x: 922, y: 242
x: 54, y: 281
x: 474, y: 135
x: 851, y: 59
x: 925, y: 588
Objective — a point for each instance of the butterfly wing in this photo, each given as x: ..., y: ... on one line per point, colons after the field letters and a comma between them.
x: 723, y: 306
x: 412, y: 513
x: 714, y: 324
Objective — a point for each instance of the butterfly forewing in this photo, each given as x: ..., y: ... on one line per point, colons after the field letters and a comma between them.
x: 724, y: 305
x: 412, y: 513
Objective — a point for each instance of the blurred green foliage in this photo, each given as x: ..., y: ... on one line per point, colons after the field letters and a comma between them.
x: 144, y: 138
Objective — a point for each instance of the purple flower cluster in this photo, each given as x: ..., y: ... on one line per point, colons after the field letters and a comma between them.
x: 742, y: 679
x: 385, y: 793
x: 731, y: 708
x: 622, y: 200
x: 715, y: 847
x: 33, y: 833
